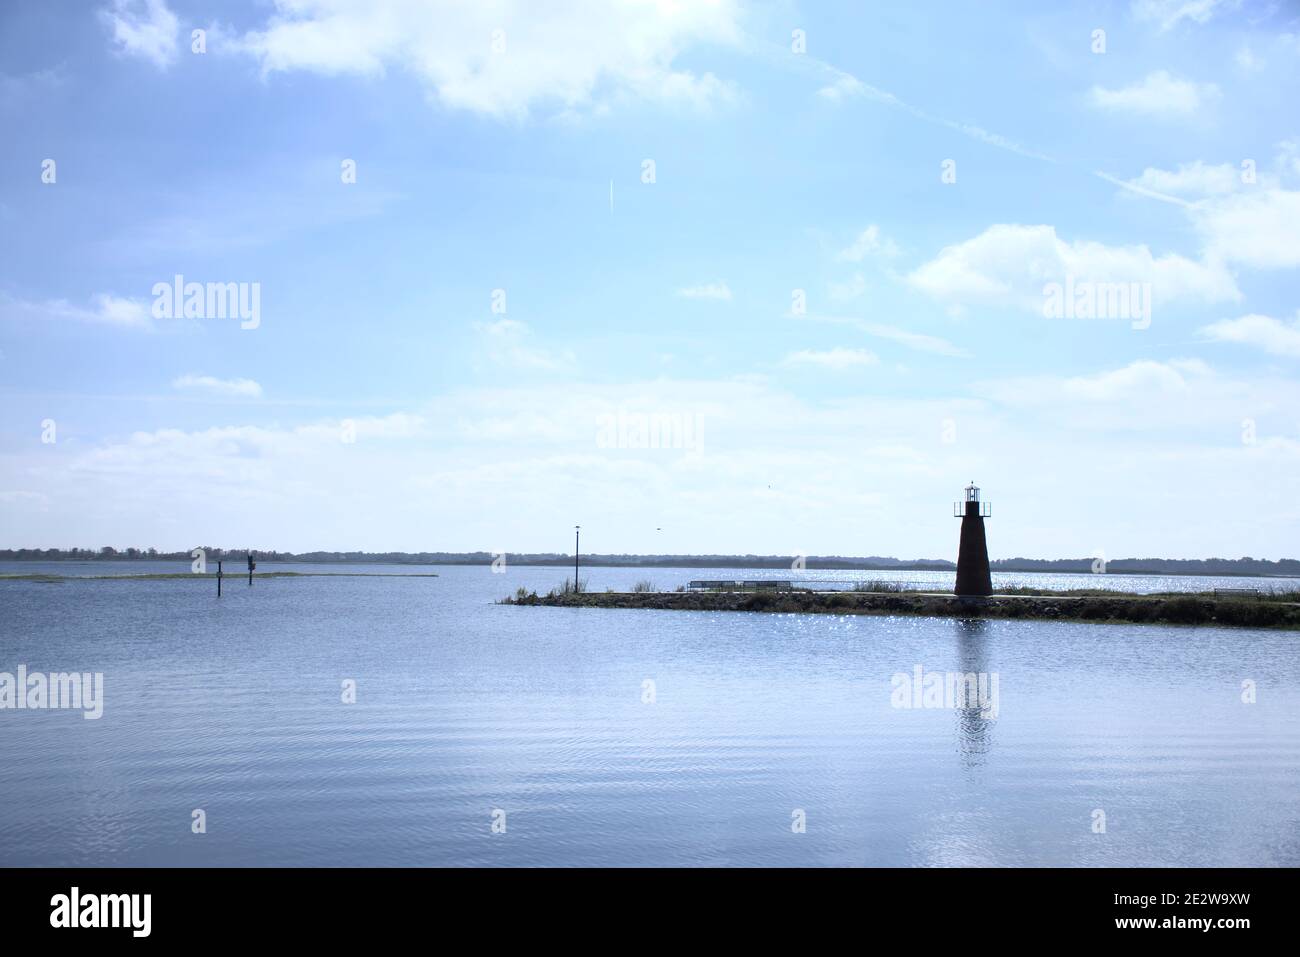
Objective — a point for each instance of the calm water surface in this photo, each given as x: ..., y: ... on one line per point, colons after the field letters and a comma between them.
x: 464, y: 706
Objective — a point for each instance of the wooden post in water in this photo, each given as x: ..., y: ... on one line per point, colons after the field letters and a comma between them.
x: 218, y: 579
x: 251, y: 565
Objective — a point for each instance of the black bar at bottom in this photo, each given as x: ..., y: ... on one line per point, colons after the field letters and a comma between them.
x: 334, y: 906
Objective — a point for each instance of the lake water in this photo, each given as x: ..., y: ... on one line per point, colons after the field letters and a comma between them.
x: 623, y: 737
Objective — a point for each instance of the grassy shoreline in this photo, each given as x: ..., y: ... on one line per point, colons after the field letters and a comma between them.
x: 1168, y: 609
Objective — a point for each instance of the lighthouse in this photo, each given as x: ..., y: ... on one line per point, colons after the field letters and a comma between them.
x: 973, y: 578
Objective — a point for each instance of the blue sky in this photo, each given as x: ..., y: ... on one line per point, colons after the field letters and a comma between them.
x: 831, y: 289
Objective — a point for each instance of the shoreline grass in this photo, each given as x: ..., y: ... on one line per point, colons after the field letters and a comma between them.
x: 1165, y: 609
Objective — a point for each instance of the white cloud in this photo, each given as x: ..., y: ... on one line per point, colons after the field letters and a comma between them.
x: 1247, y: 60
x: 508, y: 57
x: 1010, y: 264
x: 837, y: 358
x: 1160, y: 94
x: 1169, y: 13
x: 713, y: 290
x: 920, y: 342
x: 1140, y: 378
x: 119, y: 311
x: 1259, y: 228
x: 843, y: 87
x: 1200, y: 185
x: 243, y: 388
x: 1144, y: 384
x: 104, y: 309
x: 1132, y: 186
x: 1288, y: 157
x: 869, y: 242
x: 1263, y: 332
x: 1191, y: 179
x: 508, y: 343
x: 917, y: 341
x: 1253, y: 224
x: 496, y: 466
x: 144, y: 28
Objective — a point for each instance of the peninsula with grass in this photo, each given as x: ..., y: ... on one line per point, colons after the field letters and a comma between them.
x: 1240, y: 609
x: 973, y: 594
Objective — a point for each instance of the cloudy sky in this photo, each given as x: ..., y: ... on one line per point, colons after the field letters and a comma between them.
x: 814, y: 240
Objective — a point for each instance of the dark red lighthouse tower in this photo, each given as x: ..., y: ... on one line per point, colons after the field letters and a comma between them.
x: 973, y: 578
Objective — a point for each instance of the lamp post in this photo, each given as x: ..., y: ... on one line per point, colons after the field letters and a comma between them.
x: 576, y: 530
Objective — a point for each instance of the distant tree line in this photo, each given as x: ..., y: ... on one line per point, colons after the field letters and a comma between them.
x: 1155, y: 566
x: 1288, y: 567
